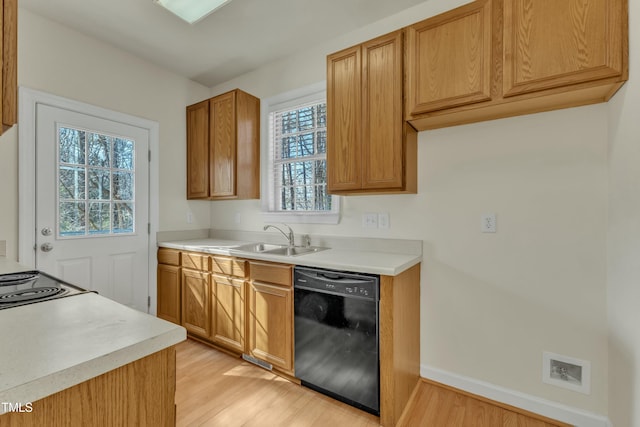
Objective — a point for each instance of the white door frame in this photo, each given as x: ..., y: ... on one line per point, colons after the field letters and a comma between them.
x: 28, y: 99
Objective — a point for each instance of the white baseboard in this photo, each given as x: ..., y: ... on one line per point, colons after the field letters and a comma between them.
x: 547, y: 408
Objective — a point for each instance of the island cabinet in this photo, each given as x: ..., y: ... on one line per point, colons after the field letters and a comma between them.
x: 498, y: 58
x: 228, y: 300
x: 270, y: 314
x: 141, y: 393
x: 223, y: 147
x: 9, y: 68
x: 169, y: 289
x: 369, y: 147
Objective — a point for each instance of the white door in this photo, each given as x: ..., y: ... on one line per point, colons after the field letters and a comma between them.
x: 92, y: 203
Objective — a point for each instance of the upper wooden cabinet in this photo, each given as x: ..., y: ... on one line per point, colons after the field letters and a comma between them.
x: 449, y: 59
x: 223, y: 147
x: 499, y: 58
x: 369, y: 149
x: 9, y: 68
x: 550, y: 43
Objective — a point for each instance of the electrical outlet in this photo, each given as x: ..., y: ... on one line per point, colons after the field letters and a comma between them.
x: 369, y: 220
x: 383, y: 220
x: 189, y: 217
x: 237, y: 218
x: 489, y: 223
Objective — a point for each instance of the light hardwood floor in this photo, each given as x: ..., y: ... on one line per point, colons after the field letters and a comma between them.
x: 436, y: 405
x: 215, y: 389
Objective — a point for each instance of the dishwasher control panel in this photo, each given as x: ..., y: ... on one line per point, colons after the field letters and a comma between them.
x: 337, y: 282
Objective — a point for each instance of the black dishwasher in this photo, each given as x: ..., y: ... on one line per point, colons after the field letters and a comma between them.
x: 336, y: 335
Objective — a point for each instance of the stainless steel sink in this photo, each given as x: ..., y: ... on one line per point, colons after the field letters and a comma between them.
x: 258, y: 247
x: 294, y: 251
x: 268, y: 248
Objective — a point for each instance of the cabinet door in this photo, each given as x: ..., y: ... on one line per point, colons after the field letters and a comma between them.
x: 551, y: 43
x: 344, y: 116
x: 198, y: 150
x: 382, y: 141
x: 228, y: 312
x: 223, y: 145
x: 196, y: 305
x: 169, y: 293
x: 271, y: 324
x: 9, y: 83
x: 449, y: 59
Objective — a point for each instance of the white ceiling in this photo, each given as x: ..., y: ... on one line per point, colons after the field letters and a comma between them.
x: 239, y: 37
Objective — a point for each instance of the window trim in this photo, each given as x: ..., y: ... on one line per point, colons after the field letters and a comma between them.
x: 282, y: 101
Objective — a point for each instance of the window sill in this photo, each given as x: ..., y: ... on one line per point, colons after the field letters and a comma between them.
x: 302, y: 217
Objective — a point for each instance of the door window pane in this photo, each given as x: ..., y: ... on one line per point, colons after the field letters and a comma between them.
x: 99, y: 184
x: 71, y: 183
x: 123, y: 154
x: 123, y: 218
x: 71, y: 218
x: 72, y: 144
x: 122, y: 186
x: 96, y: 183
x: 99, y: 149
x: 99, y: 218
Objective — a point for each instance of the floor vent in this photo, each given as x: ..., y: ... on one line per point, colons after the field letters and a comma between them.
x: 258, y: 362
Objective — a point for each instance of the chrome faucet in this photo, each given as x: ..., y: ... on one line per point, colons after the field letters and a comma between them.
x: 290, y: 237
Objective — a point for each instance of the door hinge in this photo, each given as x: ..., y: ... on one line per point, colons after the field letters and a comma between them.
x: 149, y: 156
x: 149, y: 301
x: 148, y: 228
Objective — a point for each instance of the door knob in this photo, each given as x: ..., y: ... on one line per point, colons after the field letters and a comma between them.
x: 46, y: 247
x: 46, y: 231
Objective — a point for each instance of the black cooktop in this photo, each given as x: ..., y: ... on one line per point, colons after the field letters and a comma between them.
x: 28, y: 287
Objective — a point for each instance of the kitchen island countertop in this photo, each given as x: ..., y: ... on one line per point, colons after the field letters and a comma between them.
x: 49, y: 346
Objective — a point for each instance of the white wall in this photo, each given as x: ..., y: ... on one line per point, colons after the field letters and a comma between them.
x: 491, y: 303
x: 60, y: 61
x: 623, y: 293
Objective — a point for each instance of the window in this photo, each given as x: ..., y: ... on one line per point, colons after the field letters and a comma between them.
x: 296, y: 167
x: 95, y: 183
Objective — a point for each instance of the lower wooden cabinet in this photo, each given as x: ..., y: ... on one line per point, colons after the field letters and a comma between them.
x: 169, y: 291
x: 228, y: 312
x: 271, y: 325
x: 238, y: 305
x: 270, y: 314
x: 196, y: 302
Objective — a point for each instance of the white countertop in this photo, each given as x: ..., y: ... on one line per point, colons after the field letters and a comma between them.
x: 49, y: 346
x: 359, y: 261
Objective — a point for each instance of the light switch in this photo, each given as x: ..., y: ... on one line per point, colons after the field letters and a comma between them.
x: 369, y: 220
x: 488, y: 223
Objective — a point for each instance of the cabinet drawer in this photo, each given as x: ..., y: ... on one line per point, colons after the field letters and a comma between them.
x: 168, y: 256
x: 279, y: 274
x: 228, y: 266
x: 195, y: 261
